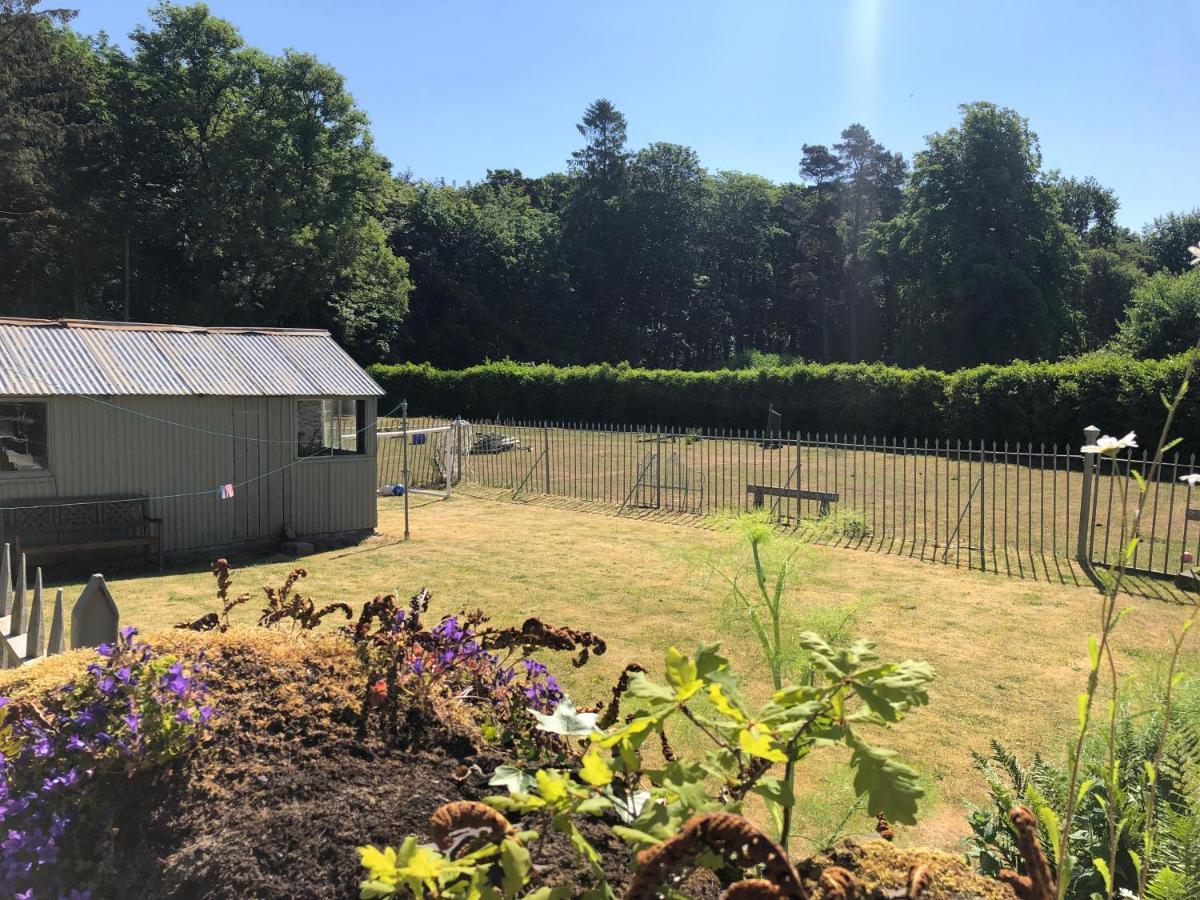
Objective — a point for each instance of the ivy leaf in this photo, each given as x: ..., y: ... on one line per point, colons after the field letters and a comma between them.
x: 891, y: 787
x: 516, y: 865
x: 566, y: 720
x: 682, y: 673
x: 515, y: 780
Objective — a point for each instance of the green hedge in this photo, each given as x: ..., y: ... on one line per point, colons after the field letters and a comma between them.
x: 1026, y: 402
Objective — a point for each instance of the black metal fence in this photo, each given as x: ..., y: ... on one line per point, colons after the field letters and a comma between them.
x: 1010, y: 509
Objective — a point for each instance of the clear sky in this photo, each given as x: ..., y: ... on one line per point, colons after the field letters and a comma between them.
x: 1112, y: 87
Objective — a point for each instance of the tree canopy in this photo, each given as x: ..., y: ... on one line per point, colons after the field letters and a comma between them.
x: 195, y: 179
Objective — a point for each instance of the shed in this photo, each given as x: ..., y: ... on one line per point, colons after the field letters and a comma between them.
x: 174, y: 413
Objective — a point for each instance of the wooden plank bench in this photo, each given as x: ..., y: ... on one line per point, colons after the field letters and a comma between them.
x: 765, y: 490
x: 69, y: 525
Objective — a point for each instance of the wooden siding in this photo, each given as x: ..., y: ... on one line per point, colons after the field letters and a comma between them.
x: 96, y: 450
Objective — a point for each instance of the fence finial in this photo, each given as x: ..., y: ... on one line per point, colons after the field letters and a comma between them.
x: 58, y: 638
x: 33, y: 641
x: 1091, y: 434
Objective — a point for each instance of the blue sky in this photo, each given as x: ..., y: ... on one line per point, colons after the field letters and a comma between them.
x: 454, y: 88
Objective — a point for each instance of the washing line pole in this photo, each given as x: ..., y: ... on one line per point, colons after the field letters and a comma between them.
x: 404, y: 463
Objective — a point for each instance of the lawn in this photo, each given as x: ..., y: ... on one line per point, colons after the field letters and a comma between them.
x: 1010, y: 654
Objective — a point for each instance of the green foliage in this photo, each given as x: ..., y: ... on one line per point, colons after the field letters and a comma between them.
x: 1022, y: 401
x: 1168, y: 237
x: 848, y: 691
x: 1163, y: 317
x: 422, y: 870
x: 989, y: 266
x: 244, y: 185
x: 1175, y: 863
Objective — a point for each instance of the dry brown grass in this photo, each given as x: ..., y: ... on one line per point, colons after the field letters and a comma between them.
x: 1010, y: 654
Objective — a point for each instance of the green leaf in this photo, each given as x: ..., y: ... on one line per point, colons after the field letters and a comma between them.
x: 566, y: 720
x: 1049, y: 819
x: 516, y: 865
x: 891, y: 787
x: 643, y: 688
x: 633, y: 835
x: 594, y: 770
x: 775, y: 790
x: 1082, y: 702
x: 681, y: 673
x: 1151, y: 775
x: 1094, y: 652
x: 515, y: 780
x: 1102, y: 868
x: 757, y: 743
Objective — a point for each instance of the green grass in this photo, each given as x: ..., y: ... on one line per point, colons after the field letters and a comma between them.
x: 1011, y: 655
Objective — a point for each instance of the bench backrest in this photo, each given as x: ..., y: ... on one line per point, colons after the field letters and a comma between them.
x: 64, y: 515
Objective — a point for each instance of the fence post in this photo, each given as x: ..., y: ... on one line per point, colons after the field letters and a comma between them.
x: 546, y: 453
x: 658, y: 469
x: 1082, y: 553
x: 982, y: 506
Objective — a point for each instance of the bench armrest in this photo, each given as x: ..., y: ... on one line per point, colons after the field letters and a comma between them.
x: 156, y: 519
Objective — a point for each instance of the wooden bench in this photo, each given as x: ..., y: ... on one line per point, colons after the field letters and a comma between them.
x: 765, y: 490
x: 68, y: 525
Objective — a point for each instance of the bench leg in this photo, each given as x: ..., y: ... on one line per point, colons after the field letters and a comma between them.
x: 758, y: 499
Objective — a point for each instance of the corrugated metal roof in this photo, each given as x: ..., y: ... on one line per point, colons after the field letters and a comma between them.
x: 77, y: 356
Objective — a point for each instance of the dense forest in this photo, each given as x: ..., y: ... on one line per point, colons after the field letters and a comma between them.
x: 195, y: 179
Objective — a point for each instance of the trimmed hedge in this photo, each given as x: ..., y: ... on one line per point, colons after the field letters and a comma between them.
x: 1026, y: 402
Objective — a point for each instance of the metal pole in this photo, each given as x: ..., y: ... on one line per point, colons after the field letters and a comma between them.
x: 546, y: 453
x: 404, y: 462
x: 1090, y: 434
x: 658, y: 469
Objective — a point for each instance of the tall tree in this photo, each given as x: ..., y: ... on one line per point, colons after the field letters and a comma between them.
x: 990, y: 267
x: 872, y: 181
x: 592, y: 226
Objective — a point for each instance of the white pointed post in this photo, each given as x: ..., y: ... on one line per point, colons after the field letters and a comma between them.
x: 94, y: 619
x: 5, y: 581
x: 33, y: 642
x: 58, y: 637
x: 17, y: 625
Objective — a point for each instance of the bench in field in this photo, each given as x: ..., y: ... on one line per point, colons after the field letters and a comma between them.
x: 765, y: 490
x: 68, y: 525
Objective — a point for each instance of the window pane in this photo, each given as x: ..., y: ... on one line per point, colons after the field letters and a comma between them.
x: 23, y: 437
x: 327, y: 427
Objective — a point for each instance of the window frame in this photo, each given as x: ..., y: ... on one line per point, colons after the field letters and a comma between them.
x: 32, y: 474
x: 360, y: 416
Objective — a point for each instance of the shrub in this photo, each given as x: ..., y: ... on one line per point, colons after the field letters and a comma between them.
x: 1026, y: 402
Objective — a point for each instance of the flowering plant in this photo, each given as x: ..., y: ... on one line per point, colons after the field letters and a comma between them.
x: 412, y: 667
x: 133, y: 710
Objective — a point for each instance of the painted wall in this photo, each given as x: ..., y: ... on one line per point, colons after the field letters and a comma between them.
x: 96, y: 450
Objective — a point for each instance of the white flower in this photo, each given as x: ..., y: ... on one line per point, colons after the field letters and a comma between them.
x: 1195, y: 251
x: 1111, y: 446
x: 1190, y: 480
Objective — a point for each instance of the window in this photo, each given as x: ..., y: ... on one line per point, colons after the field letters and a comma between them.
x: 329, y: 427
x: 23, y: 437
